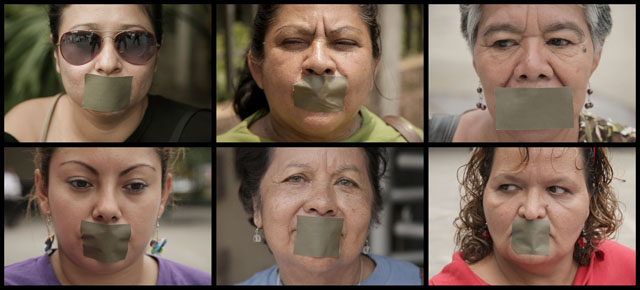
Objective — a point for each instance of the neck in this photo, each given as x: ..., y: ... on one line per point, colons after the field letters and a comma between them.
x: 95, y: 126
x: 556, y: 273
x: 350, y: 274
x: 547, y: 135
x: 69, y: 273
x: 279, y: 131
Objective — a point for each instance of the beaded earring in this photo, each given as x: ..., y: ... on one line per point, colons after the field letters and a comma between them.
x: 480, y: 105
x: 157, y: 244
x: 589, y: 104
x: 582, y: 240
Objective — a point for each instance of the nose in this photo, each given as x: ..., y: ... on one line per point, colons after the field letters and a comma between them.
x: 534, y: 206
x: 322, y: 201
x: 318, y: 59
x: 106, y: 208
x: 533, y: 64
x: 108, y: 61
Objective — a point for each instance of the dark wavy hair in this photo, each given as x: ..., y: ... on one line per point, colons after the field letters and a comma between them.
x: 604, y: 213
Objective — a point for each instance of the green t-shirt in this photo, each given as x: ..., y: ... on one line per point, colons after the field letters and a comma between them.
x: 373, y: 129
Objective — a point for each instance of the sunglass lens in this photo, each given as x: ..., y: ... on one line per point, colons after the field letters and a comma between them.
x: 79, y: 47
x: 137, y: 47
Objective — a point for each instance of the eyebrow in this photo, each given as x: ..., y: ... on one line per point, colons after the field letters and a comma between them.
x: 94, y: 26
x: 565, y: 26
x: 95, y: 172
x: 307, y: 31
x: 348, y: 168
x: 554, y: 180
x: 506, y: 27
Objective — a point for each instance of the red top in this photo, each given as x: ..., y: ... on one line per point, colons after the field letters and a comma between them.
x: 611, y: 264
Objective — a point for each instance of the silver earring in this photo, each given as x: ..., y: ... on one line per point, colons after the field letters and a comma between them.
x: 50, y: 238
x: 256, y: 236
x: 589, y: 104
x: 366, y: 248
x: 480, y: 105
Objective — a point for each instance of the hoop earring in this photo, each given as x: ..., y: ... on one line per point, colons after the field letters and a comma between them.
x: 589, y: 104
x: 480, y: 105
x: 157, y: 244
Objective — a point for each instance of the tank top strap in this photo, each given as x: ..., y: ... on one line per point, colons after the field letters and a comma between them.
x: 47, y: 119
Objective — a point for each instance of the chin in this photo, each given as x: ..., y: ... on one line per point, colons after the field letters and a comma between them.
x: 320, y: 122
x: 314, y: 264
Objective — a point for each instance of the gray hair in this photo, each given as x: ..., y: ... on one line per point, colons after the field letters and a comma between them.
x: 598, y: 18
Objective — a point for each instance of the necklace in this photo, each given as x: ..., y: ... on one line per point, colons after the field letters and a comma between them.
x: 279, y: 282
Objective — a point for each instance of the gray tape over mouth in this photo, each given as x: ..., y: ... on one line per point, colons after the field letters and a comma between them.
x: 105, y: 243
x: 318, y: 93
x: 530, y: 237
x: 534, y: 108
x: 318, y: 237
x: 106, y: 94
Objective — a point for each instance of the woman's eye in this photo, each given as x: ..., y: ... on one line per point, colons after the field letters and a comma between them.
x: 559, y: 42
x: 294, y: 43
x: 136, y: 187
x: 507, y: 187
x: 347, y: 183
x: 504, y: 43
x: 344, y: 44
x: 79, y: 184
x: 295, y: 179
x: 557, y: 189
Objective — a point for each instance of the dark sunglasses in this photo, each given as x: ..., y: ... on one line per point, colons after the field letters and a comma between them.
x: 134, y: 46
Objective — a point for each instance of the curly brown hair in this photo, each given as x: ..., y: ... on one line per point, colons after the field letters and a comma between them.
x: 604, y: 213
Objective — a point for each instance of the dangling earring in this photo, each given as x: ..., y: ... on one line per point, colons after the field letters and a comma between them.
x: 582, y: 239
x: 480, y: 105
x: 256, y: 236
x: 49, y: 241
x: 589, y: 104
x: 486, y: 234
x: 366, y: 248
x: 157, y: 244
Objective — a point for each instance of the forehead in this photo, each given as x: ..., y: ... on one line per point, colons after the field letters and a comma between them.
x: 104, y: 17
x: 308, y: 16
x: 318, y: 156
x: 105, y: 156
x: 548, y: 159
x: 519, y: 15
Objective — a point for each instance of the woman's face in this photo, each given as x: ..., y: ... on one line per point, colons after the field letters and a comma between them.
x: 108, y: 62
x: 315, y: 39
x: 315, y: 182
x: 108, y: 186
x: 534, y: 46
x: 549, y: 188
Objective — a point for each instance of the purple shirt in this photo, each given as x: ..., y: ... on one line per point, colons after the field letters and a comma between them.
x: 38, y: 271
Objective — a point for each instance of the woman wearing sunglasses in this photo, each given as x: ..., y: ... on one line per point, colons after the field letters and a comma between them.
x: 106, y: 56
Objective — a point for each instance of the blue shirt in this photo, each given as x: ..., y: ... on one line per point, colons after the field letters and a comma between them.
x: 387, y: 272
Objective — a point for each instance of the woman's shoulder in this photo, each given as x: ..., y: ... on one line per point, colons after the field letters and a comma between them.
x: 33, y: 271
x: 24, y: 121
x: 173, y: 273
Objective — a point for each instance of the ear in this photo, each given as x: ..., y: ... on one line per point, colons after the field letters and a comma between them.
x: 596, y: 58
x: 168, y: 183
x: 55, y: 53
x: 255, y: 68
x: 41, y: 192
x: 257, y: 214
